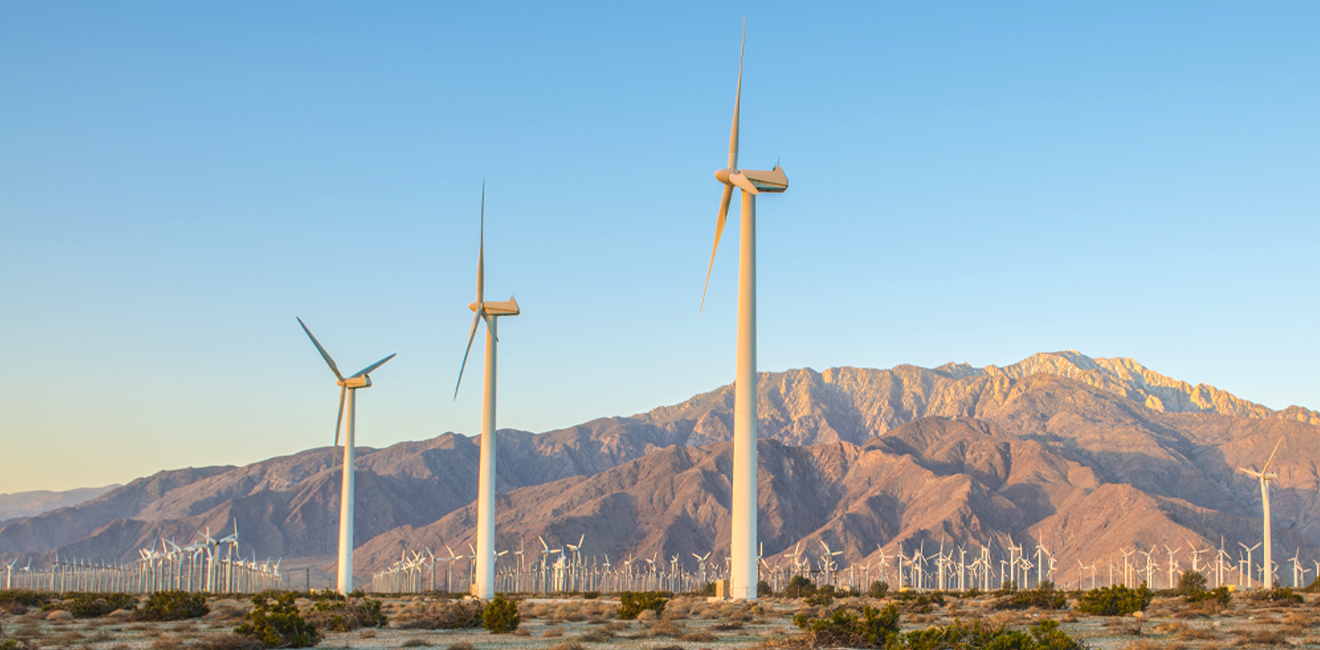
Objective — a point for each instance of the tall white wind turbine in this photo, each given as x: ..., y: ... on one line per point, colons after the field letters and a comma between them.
x: 1265, y: 476
x: 348, y: 387
x: 751, y: 182
x: 487, y: 312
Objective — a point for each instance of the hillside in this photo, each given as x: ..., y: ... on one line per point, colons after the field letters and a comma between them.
x: 858, y: 457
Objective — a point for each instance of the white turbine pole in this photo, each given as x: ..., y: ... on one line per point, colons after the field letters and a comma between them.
x: 348, y: 387
x: 743, y: 540
x: 488, y: 312
x: 346, y: 498
x: 1264, y: 476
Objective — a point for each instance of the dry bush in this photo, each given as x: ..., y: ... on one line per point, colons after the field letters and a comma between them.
x: 1197, y: 634
x: 700, y: 636
x: 522, y: 631
x: 229, y: 642
x: 441, y: 615
x: 1147, y: 644
x: 461, y: 645
x: 414, y: 643
x: 1202, y: 609
x: 1125, y: 625
x: 553, y: 632
x: 368, y: 634
x: 540, y: 610
x: 570, y: 611
x: 597, y: 635
x: 666, y: 627
x: 1267, y: 638
x: 567, y: 645
x: 725, y: 627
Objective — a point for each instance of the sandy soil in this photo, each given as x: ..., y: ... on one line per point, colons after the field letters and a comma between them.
x: 693, y: 624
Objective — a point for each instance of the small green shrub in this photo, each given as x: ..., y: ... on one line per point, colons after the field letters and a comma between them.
x: 1190, y: 583
x: 1115, y: 601
x: 1043, y: 597
x: 846, y: 628
x: 763, y: 589
x: 19, y: 600
x: 91, y: 605
x: 172, y: 606
x: 1222, y: 594
x: 824, y: 597
x: 1045, y: 635
x: 878, y: 589
x: 632, y: 603
x: 501, y: 616
x: 347, y: 614
x: 1278, y: 596
x: 799, y: 587
x: 277, y: 624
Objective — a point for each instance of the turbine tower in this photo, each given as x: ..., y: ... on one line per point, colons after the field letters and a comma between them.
x: 751, y: 182
x: 486, y: 312
x: 348, y: 387
x: 1264, y: 476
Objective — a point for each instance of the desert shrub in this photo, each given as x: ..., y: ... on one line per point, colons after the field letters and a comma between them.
x: 763, y: 589
x: 275, y: 622
x: 878, y: 589
x: 441, y: 615
x: 632, y: 603
x: 1115, y: 601
x: 347, y: 614
x: 225, y: 642
x: 1313, y: 587
x: 91, y: 605
x: 19, y: 600
x: 1278, y: 596
x: 698, y: 636
x: 1190, y: 583
x: 977, y: 635
x: 1044, y: 596
x: 799, y: 587
x: 1220, y: 594
x: 597, y: 635
x: 846, y: 628
x: 328, y: 594
x: 501, y: 616
x: 824, y: 597
x: 172, y: 606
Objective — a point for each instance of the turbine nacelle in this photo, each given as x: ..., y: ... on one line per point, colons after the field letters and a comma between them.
x: 506, y: 308
x: 754, y: 181
x: 361, y: 381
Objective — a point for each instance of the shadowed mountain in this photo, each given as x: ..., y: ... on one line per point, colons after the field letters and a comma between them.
x: 21, y: 505
x: 859, y: 458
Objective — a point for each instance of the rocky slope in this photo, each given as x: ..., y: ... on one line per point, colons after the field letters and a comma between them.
x: 858, y: 457
x: 21, y: 505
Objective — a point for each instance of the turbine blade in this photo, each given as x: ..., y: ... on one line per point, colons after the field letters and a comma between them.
x: 1266, y: 468
x: 481, y: 249
x: 471, y: 335
x: 737, y: 102
x: 339, y: 421
x: 324, y: 354
x: 719, y: 230
x: 374, y: 366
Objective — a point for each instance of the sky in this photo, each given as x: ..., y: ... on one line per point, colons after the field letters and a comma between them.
x: 969, y: 182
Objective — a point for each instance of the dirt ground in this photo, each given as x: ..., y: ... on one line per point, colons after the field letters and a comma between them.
x: 692, y: 624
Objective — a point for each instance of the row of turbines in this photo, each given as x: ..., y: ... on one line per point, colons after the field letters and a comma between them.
x: 564, y: 569
x: 206, y: 565
x: 743, y: 554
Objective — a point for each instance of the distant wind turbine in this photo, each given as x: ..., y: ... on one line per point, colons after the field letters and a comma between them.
x: 751, y: 182
x: 1265, y: 476
x: 348, y: 387
x: 487, y: 312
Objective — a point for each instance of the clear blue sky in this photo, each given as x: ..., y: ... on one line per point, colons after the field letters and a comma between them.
x: 970, y: 182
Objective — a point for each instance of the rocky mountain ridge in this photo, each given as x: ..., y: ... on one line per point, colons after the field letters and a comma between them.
x: 936, y: 449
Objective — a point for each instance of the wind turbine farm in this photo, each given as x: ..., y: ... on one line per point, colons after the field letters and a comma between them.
x: 1025, y: 353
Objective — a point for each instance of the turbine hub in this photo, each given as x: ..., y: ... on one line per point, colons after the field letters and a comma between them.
x: 723, y: 176
x: 359, y: 381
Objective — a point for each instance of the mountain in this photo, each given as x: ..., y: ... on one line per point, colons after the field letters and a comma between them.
x: 857, y: 457
x: 20, y: 505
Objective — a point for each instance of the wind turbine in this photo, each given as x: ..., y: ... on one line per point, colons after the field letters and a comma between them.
x: 348, y: 388
x: 1264, y: 476
x: 487, y: 312
x: 751, y: 182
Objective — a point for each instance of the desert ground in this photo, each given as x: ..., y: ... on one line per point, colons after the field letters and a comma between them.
x: 688, y: 622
